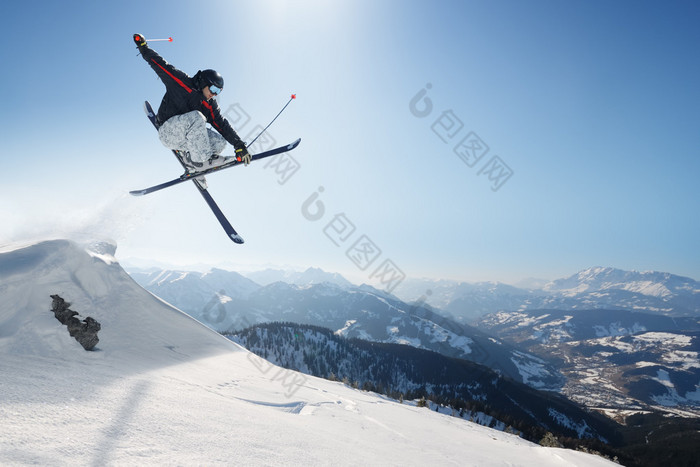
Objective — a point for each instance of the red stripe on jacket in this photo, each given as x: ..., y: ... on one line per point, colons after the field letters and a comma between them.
x: 173, y: 76
x: 211, y: 109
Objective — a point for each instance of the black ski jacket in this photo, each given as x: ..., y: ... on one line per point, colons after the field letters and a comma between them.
x: 181, y: 96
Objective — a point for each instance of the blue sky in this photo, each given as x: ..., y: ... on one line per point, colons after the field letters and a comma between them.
x: 593, y: 107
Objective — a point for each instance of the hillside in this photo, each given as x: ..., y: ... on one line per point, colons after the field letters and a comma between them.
x: 411, y: 373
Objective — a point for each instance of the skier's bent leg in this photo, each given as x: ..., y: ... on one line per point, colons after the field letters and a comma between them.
x: 187, y: 132
x: 217, y: 142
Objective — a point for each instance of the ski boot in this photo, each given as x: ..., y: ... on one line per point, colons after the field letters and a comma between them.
x: 217, y: 161
x: 190, y: 165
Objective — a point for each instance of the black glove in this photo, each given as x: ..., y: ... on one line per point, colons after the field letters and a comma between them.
x: 140, y: 40
x: 243, y: 155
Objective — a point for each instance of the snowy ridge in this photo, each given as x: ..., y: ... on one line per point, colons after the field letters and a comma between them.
x: 592, y: 288
x: 163, y: 389
x: 308, y: 277
x: 652, y: 283
x: 674, y: 291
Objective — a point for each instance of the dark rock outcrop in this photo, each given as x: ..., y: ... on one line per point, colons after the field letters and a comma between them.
x: 85, y: 332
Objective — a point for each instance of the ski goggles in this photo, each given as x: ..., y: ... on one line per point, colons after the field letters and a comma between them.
x: 214, y: 89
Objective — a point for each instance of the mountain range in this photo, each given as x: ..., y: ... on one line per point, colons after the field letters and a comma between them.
x: 592, y: 288
x: 361, y: 312
x: 309, y: 276
x: 511, y: 334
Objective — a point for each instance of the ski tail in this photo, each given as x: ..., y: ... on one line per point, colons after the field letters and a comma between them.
x: 225, y: 224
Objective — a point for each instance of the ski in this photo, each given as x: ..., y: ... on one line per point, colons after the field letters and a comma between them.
x: 228, y: 228
x: 190, y: 176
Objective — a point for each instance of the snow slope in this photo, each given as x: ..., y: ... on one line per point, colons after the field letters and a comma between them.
x: 161, y: 388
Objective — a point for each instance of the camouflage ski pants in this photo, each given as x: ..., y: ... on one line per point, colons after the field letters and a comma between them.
x: 189, y: 132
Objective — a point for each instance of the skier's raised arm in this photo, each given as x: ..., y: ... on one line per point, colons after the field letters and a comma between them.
x: 165, y: 71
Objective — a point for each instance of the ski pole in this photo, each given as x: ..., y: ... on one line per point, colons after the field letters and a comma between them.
x: 294, y: 96
x: 169, y: 39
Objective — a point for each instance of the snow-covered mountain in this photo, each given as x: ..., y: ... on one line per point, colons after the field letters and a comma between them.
x: 593, y: 288
x: 163, y: 389
x: 362, y: 312
x: 200, y: 286
x: 675, y: 295
x: 204, y: 296
x: 652, y: 283
x: 465, y: 301
x: 368, y: 314
x: 308, y: 277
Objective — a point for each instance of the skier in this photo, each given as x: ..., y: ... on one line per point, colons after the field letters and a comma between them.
x: 186, y: 108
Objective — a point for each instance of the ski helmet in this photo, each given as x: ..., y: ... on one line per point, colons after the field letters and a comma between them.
x: 205, y: 78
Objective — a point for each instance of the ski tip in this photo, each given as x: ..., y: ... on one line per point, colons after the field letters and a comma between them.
x: 137, y: 193
x: 294, y: 144
x: 148, y: 109
x: 237, y: 239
